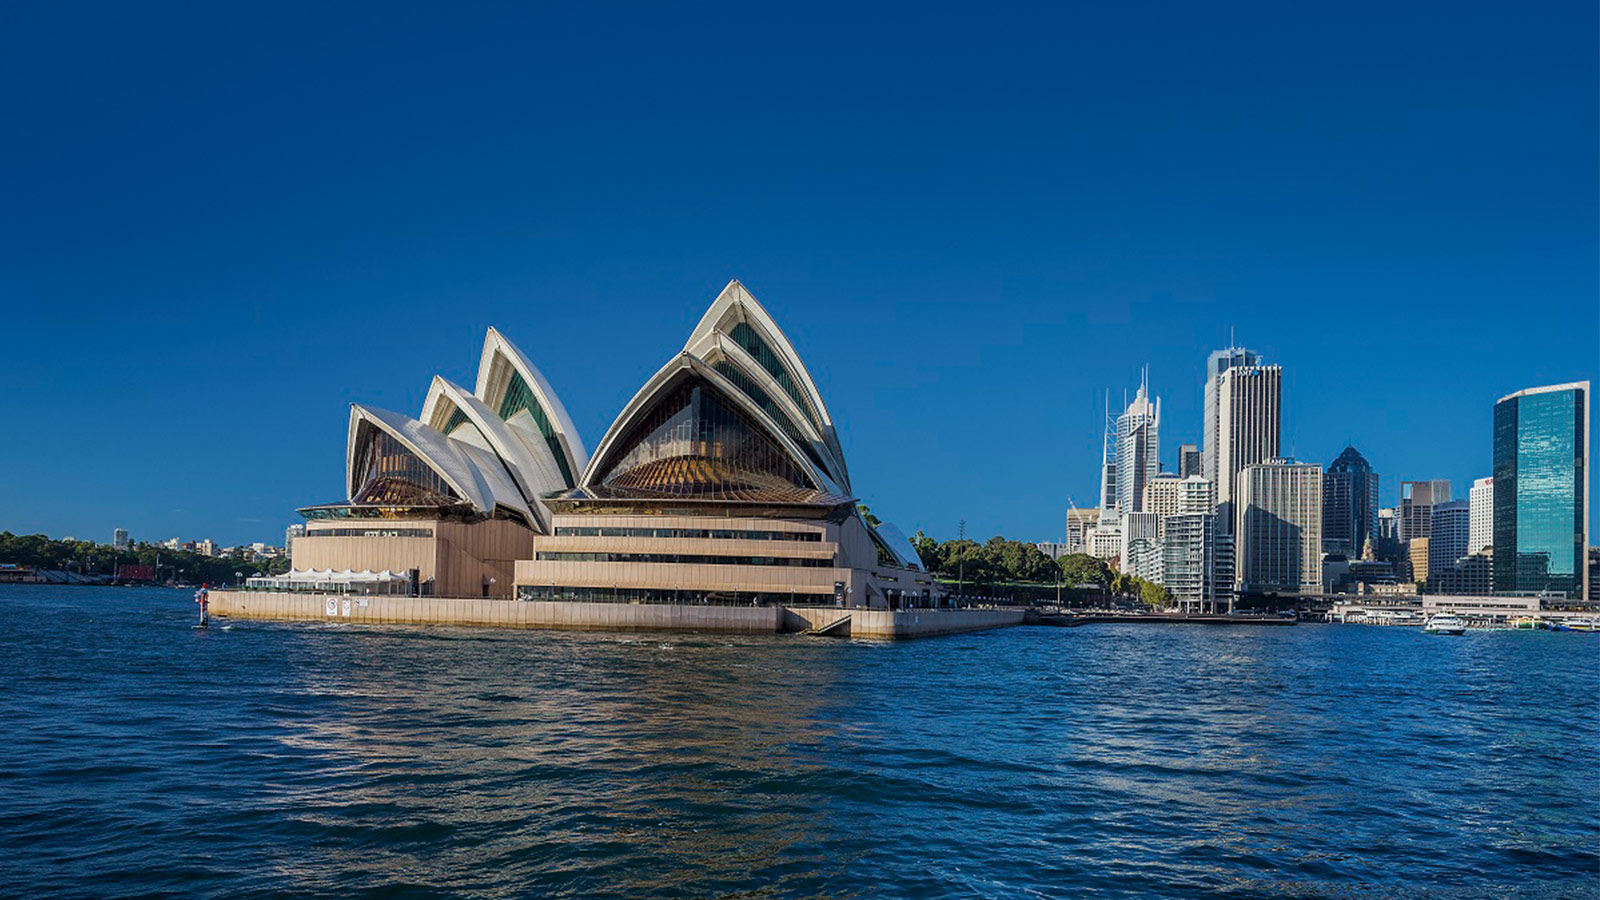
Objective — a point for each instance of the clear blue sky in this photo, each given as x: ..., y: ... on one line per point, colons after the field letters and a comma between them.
x: 223, y: 223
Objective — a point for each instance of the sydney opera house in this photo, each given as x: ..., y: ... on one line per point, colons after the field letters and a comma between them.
x: 721, y: 482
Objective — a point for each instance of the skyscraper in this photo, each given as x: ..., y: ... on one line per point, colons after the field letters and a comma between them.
x: 119, y: 538
x: 1249, y: 403
x: 1349, y: 504
x: 1189, y: 461
x: 1218, y: 362
x: 1450, y: 535
x: 1417, y: 499
x: 1541, y: 490
x: 1138, y: 449
x: 1108, y: 463
x: 1481, y: 503
x: 1279, y: 528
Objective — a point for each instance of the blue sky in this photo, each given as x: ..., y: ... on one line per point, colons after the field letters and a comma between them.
x: 222, y: 225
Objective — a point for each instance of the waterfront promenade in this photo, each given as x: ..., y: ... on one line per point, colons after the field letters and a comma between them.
x: 405, y: 610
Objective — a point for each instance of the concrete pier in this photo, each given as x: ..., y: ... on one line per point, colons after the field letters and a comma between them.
x: 401, y: 610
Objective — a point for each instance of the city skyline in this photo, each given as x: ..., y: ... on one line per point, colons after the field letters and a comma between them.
x: 1411, y: 237
x: 1173, y: 435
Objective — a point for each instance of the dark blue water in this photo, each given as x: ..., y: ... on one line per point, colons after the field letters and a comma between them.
x: 142, y: 758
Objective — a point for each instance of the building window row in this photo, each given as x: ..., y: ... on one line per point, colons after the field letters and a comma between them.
x: 369, y: 532
x: 684, y: 597
x: 682, y: 558
x: 716, y: 534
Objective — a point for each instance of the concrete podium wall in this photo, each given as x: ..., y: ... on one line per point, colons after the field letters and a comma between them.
x: 399, y: 610
x: 395, y: 610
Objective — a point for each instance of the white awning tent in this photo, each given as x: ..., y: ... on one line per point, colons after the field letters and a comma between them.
x: 365, y: 581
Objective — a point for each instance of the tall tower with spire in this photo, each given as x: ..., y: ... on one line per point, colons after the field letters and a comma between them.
x: 1138, y: 432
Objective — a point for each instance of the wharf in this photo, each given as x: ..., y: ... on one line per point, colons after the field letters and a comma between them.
x: 1067, y: 620
x: 380, y: 609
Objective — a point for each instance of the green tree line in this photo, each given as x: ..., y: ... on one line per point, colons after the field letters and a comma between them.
x: 90, y: 558
x: 1000, y: 562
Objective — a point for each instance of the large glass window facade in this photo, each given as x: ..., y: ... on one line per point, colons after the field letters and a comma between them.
x: 389, y: 474
x: 520, y: 398
x: 1539, y: 486
x: 693, y: 443
x: 742, y: 380
x: 746, y: 337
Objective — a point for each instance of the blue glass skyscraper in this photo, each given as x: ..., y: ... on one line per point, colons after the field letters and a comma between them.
x: 1541, y: 490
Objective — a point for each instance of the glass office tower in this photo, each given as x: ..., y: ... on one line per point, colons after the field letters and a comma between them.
x: 1541, y: 490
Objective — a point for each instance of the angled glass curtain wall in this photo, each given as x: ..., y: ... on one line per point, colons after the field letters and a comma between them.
x: 694, y: 444
x: 457, y: 418
x: 742, y: 380
x: 1538, y: 522
x: 520, y: 398
x: 746, y: 337
x: 389, y: 474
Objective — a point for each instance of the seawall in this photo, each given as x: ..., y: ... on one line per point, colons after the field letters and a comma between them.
x: 399, y: 610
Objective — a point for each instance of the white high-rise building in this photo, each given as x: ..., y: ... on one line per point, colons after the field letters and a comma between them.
x: 1249, y: 418
x: 1138, y: 449
x: 1140, y: 531
x: 1279, y: 527
x: 1188, y: 561
x: 119, y: 538
x: 1218, y: 362
x: 1480, y: 500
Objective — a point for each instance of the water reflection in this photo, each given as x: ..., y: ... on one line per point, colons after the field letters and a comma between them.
x: 144, y: 758
x: 525, y: 752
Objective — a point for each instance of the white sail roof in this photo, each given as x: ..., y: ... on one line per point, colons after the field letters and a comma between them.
x: 474, y: 474
x: 737, y: 330
x: 540, y: 414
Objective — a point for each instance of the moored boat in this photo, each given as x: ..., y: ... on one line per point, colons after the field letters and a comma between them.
x: 1445, y: 623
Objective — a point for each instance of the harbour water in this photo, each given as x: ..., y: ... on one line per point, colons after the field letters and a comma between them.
x: 142, y: 757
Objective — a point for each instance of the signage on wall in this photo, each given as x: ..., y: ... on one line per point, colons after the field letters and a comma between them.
x: 333, y: 606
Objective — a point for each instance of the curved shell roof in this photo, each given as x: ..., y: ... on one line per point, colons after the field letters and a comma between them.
x: 473, y: 473
x: 507, y: 380
x: 503, y: 447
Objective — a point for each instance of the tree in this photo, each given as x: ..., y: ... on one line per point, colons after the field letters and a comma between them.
x: 929, y: 550
x: 1154, y: 594
x: 1081, y: 568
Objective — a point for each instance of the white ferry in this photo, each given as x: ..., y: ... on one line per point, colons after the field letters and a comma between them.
x: 1445, y: 623
x: 1580, y: 623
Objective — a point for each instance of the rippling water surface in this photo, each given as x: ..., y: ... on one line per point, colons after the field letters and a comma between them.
x: 141, y: 757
